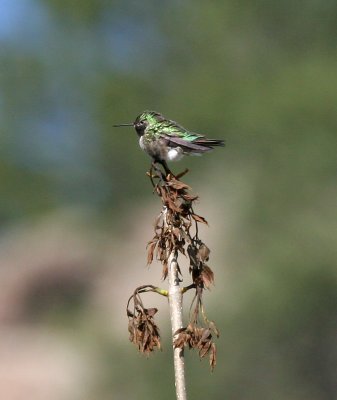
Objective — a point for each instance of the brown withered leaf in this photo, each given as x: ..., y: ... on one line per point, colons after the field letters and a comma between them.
x: 151, y: 311
x: 161, y: 253
x: 212, y: 356
x: 214, y: 328
x: 198, y: 218
x: 181, y: 340
x: 205, y: 335
x: 165, y: 271
x: 173, y: 205
x: 183, y: 337
x: 162, y: 191
x: 178, y: 185
x: 192, y: 252
x: 204, y: 348
x: 207, y: 276
x: 185, y: 236
x: 203, y: 252
x: 189, y: 198
x: 150, y: 250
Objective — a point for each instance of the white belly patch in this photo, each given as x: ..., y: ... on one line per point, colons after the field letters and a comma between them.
x: 141, y: 143
x: 158, y: 150
x: 175, y: 154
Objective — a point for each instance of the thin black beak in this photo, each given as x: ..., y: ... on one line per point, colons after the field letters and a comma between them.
x: 116, y: 126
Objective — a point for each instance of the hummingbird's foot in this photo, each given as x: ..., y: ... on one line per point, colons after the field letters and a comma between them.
x: 159, y: 172
x: 166, y: 168
x: 168, y: 173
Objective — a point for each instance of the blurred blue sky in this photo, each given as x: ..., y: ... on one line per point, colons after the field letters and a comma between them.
x: 22, y: 22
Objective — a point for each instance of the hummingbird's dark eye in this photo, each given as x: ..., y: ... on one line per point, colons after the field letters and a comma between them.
x: 140, y: 126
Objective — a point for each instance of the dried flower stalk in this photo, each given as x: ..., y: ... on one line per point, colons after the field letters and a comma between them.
x: 176, y: 232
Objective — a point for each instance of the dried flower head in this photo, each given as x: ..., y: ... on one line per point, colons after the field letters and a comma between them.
x: 199, y: 338
x: 144, y: 332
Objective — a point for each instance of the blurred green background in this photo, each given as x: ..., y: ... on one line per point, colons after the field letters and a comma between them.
x: 77, y: 209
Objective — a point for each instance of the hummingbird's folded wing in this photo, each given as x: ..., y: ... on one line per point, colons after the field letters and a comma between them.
x: 187, y: 146
x: 190, y: 142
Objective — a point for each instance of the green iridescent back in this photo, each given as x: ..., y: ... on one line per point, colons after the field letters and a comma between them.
x: 159, y: 126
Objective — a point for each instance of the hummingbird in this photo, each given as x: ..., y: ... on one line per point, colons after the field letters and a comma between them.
x: 165, y: 140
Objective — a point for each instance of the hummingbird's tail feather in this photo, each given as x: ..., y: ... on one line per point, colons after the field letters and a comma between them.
x: 210, y: 143
x: 197, y: 146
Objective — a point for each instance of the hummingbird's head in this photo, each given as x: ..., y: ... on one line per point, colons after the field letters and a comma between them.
x: 140, y: 124
x: 145, y: 119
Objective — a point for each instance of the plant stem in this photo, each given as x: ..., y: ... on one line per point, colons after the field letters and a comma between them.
x: 176, y: 303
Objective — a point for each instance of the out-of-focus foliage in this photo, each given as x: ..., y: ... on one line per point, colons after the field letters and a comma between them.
x: 260, y: 74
